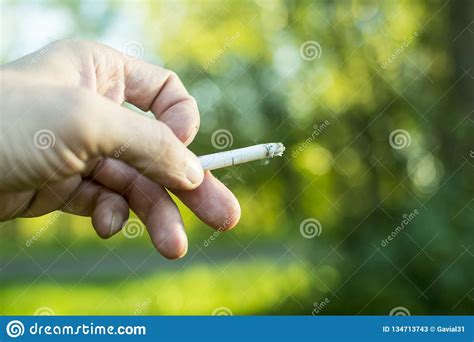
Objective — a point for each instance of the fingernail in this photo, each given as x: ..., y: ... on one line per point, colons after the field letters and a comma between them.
x: 178, y: 247
x: 116, y: 222
x: 194, y: 171
x: 191, y: 136
x: 184, y: 244
x: 184, y: 251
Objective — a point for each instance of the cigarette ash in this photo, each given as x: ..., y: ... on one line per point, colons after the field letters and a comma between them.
x: 275, y: 150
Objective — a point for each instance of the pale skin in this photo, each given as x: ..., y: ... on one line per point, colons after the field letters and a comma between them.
x: 106, y: 159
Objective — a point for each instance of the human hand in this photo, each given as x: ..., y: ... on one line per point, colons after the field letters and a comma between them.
x: 67, y: 144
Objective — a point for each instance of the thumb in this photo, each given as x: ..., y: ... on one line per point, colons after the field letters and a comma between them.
x: 146, y: 144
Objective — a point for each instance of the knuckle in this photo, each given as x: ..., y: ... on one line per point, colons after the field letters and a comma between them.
x: 169, y: 150
x: 71, y: 45
x: 192, y: 101
x: 163, y: 137
x: 193, y: 121
x: 80, y: 121
x: 172, y: 75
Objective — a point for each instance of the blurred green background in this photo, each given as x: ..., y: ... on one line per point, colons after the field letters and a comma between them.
x: 374, y: 101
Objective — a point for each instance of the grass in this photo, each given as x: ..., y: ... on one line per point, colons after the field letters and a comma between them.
x: 243, y: 288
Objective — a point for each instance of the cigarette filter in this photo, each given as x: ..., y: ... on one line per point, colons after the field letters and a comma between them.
x: 241, y: 155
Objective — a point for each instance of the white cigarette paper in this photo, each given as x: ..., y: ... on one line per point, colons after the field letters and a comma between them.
x: 241, y: 155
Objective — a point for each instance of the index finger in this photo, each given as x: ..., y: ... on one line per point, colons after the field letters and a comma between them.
x: 150, y: 87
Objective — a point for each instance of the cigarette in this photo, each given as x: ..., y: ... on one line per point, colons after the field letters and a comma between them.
x: 241, y: 155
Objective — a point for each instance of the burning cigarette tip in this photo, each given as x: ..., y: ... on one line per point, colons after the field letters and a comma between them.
x: 275, y: 149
